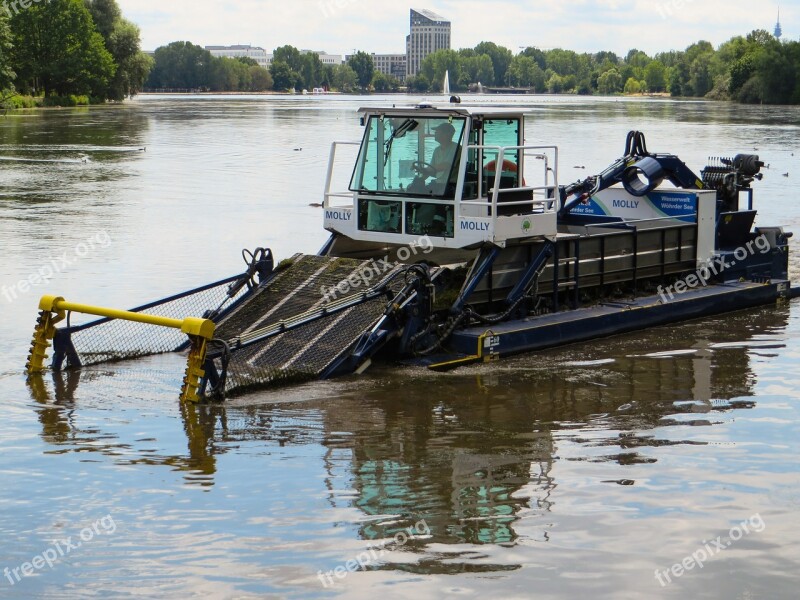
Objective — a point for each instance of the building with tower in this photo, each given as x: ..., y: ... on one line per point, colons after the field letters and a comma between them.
x: 429, y: 33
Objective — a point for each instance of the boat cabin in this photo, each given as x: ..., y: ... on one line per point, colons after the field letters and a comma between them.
x: 461, y: 176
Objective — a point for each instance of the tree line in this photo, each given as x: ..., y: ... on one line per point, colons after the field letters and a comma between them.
x: 757, y: 68
x: 69, y: 51
x: 186, y: 66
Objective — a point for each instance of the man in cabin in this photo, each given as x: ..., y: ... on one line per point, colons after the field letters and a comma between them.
x: 443, y: 156
x: 431, y: 218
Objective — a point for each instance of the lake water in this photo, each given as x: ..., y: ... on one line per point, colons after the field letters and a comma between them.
x: 581, y: 472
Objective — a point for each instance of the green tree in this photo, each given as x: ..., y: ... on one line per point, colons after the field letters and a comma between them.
x: 700, y: 75
x: 133, y: 65
x: 58, y: 50
x: 637, y: 59
x: 6, y: 72
x: 675, y: 82
x: 556, y: 84
x: 732, y: 50
x: 419, y: 84
x: 776, y: 73
x: 501, y: 59
x: 476, y: 69
x: 181, y: 65
x: 761, y: 69
x: 537, y: 55
x: 655, y: 74
x: 286, y: 69
x: 741, y: 71
x: 327, y: 76
x: 381, y: 82
x: 105, y: 14
x: 363, y: 65
x: 260, y: 79
x: 311, y: 70
x: 345, y: 78
x: 246, y: 60
x: 679, y: 80
x: 283, y: 76
x: 609, y: 83
x: 229, y: 75
x: 563, y: 62
x: 123, y: 40
x: 669, y: 59
x: 760, y: 37
x: 436, y: 64
x: 632, y: 86
x: 289, y: 55
x: 605, y: 56
x: 525, y: 72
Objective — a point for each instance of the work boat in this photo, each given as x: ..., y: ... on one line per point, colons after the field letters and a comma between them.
x: 455, y: 243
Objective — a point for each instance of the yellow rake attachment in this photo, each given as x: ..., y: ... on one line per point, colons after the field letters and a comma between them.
x: 53, y: 309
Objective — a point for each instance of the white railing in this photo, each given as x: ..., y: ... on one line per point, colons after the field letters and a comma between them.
x: 326, y: 203
x: 548, y: 191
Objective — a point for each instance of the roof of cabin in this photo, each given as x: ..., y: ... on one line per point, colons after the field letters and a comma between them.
x: 431, y: 109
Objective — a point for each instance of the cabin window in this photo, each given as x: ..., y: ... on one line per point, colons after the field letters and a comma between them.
x: 501, y: 132
x: 379, y: 215
x: 410, y: 156
x: 426, y: 218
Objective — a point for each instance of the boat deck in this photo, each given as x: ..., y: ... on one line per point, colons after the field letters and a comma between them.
x: 483, y: 342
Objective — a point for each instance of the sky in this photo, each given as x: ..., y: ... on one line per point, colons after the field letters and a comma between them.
x: 341, y: 26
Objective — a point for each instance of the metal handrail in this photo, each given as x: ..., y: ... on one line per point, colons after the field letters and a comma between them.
x: 501, y: 152
x: 329, y: 175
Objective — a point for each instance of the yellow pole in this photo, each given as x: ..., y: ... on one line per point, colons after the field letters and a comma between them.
x: 53, y: 309
x: 113, y: 313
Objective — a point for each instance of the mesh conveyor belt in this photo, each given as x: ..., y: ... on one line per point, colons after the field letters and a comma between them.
x: 304, y: 352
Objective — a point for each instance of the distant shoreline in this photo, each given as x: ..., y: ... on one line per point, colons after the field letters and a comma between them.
x: 188, y: 93
x: 465, y: 93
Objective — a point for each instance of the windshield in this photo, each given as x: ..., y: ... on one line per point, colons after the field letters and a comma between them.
x: 410, y: 156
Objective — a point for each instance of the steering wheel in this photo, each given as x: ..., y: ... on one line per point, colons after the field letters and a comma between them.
x: 423, y: 168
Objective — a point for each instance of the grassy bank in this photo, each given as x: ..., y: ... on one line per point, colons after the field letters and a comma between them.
x: 19, y: 102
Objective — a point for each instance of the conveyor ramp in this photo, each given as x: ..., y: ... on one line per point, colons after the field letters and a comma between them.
x: 320, y: 331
